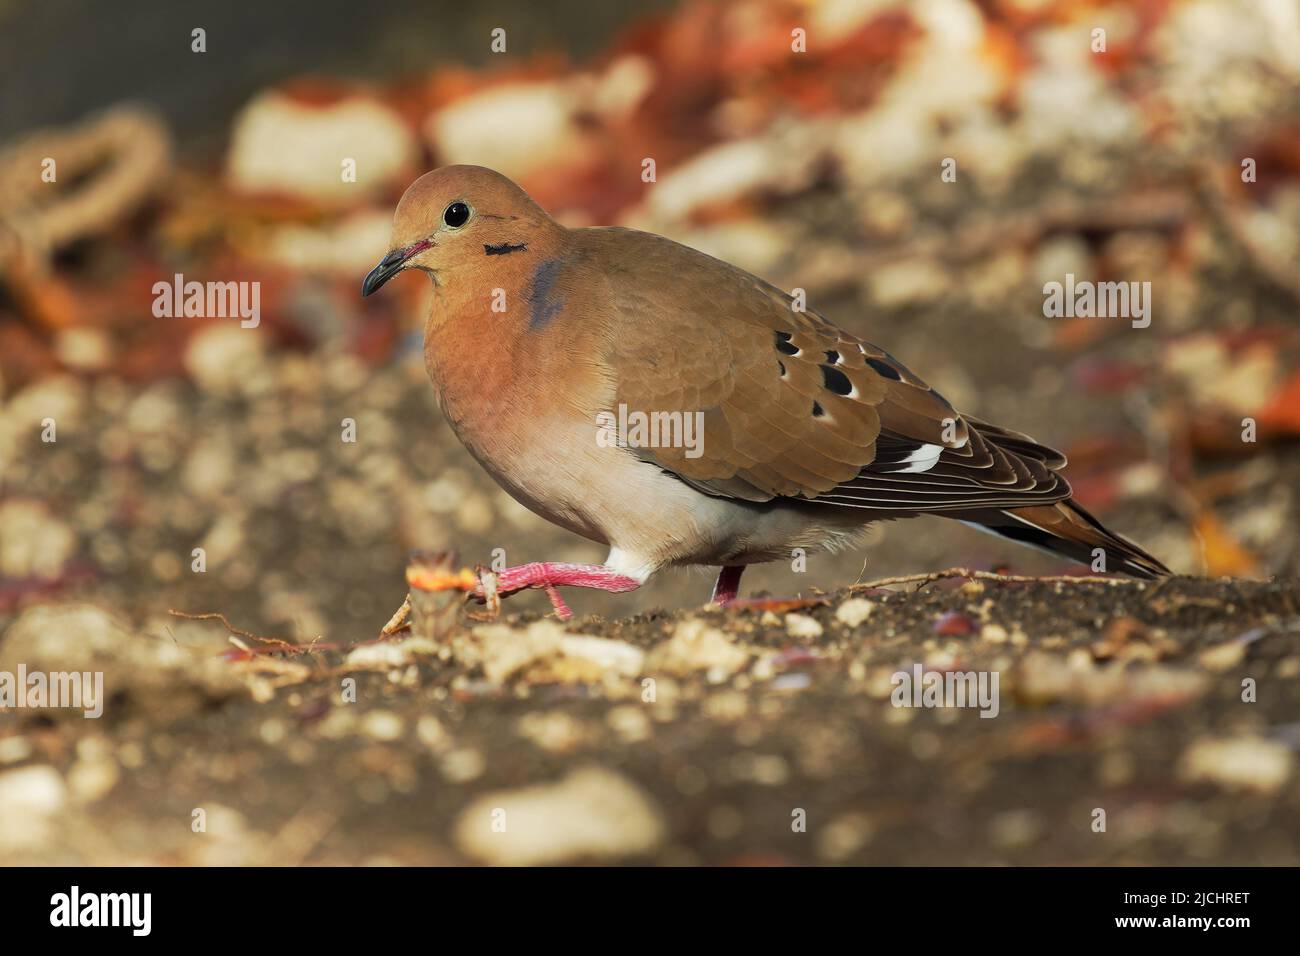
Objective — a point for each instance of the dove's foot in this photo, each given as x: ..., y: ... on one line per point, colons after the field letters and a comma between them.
x: 549, y: 576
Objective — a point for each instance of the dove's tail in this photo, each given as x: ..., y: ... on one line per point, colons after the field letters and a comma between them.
x: 1066, y: 529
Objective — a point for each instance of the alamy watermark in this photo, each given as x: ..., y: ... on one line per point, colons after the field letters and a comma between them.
x: 75, y: 908
x: 39, y: 690
x: 922, y: 688
x: 1101, y: 300
x: 208, y: 300
x: 634, y: 429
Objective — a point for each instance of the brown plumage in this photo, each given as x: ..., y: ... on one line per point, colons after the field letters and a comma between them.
x: 808, y: 432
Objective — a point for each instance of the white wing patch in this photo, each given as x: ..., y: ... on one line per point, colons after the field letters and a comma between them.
x: 922, y: 459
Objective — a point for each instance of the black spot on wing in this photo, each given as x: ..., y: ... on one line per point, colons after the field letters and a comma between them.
x: 835, y: 380
x: 884, y: 368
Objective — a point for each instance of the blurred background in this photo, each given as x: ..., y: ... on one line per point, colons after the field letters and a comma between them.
x: 804, y: 142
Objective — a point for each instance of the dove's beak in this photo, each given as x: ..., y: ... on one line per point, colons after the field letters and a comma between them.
x: 390, y: 265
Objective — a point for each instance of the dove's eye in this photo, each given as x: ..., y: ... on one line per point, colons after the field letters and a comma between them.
x: 456, y: 215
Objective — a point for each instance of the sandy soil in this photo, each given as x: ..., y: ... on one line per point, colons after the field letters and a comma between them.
x: 749, y: 736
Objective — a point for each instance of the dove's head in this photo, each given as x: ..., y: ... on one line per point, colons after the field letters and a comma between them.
x: 460, y: 218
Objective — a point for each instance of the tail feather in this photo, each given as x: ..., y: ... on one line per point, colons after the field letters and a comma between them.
x: 1066, y: 529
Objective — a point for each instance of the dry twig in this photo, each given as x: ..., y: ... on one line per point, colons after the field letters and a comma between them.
x: 930, y: 576
x: 274, y: 643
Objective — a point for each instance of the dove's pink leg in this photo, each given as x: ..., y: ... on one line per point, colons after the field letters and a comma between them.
x: 728, y: 586
x: 550, y: 575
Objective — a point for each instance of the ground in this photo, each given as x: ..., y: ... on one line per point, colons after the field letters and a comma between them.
x: 765, y: 736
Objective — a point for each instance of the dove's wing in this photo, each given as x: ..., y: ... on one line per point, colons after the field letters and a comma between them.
x: 791, y: 405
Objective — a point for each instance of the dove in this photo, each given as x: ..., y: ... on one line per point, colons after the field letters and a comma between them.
x: 681, y: 411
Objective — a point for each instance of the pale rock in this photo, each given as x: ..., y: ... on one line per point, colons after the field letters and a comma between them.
x: 615, y: 656
x: 387, y: 655
x: 462, y: 764
x: 225, y: 540
x: 226, y: 839
x: 92, y: 777
x: 1223, y: 656
x: 14, y: 749
x: 782, y: 160
x: 210, y: 467
x: 916, y: 281
x: 282, y: 145
x: 506, y: 651
x: 554, y: 731
x: 1243, y: 763
x: 85, y: 349
x: 60, y: 398
x: 33, y: 542
x: 843, y: 836
x: 346, y: 248
x: 854, y: 611
x: 221, y: 357
x: 382, y: 725
x: 994, y: 634
x: 1058, y: 256
x: 521, y: 127
x: 802, y: 627
x: 32, y: 798
x: 590, y: 814
x: 696, y: 646
x: 514, y: 128
x: 630, y: 722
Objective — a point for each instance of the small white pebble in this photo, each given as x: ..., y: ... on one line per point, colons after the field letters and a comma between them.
x: 463, y: 765
x: 383, y: 725
x: 854, y: 611
x: 803, y: 626
x: 14, y: 749
x: 994, y: 633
